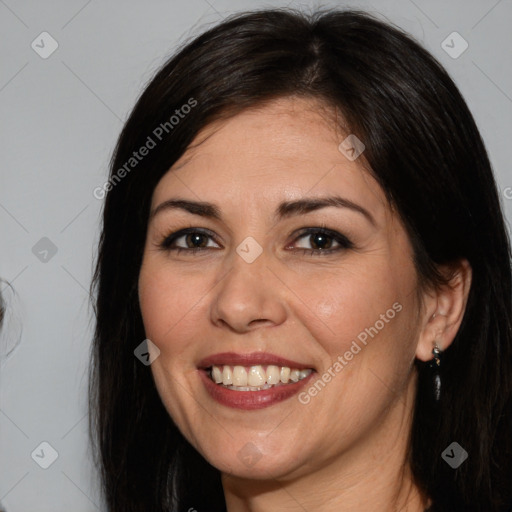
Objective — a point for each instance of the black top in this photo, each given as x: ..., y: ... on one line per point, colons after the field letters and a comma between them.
x: 225, y: 510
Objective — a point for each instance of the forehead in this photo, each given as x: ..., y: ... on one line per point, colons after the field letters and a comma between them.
x: 281, y: 151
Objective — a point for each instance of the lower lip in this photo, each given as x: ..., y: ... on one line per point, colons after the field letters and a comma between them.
x: 251, y: 400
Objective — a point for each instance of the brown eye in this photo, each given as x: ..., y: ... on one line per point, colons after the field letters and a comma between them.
x: 196, y: 240
x: 321, y: 240
x: 316, y: 241
x: 190, y: 239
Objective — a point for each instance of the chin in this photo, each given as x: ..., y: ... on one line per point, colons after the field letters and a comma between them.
x: 251, y: 462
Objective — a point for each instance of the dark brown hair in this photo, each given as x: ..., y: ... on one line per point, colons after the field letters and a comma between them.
x: 424, y: 149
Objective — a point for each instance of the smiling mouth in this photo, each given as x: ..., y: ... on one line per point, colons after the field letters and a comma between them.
x: 255, y: 378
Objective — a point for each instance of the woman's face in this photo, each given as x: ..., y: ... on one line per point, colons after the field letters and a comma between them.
x: 284, y: 279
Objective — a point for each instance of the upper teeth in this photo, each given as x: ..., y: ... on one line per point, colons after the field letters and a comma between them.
x: 256, y: 376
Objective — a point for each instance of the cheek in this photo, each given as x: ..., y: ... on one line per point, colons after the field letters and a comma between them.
x: 342, y: 305
x: 169, y: 304
x: 364, y: 319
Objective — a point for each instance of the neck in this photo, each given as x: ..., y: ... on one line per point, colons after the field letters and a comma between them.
x: 370, y: 476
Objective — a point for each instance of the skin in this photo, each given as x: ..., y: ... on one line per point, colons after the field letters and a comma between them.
x: 345, y: 449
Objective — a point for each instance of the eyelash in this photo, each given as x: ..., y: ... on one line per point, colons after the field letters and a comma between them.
x: 342, y: 240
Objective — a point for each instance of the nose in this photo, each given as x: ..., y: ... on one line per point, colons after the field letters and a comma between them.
x: 249, y: 297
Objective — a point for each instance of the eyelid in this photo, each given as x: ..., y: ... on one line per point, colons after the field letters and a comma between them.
x: 343, y: 241
x: 172, y: 237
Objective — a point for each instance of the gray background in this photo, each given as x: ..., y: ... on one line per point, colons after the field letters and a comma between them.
x: 60, y: 119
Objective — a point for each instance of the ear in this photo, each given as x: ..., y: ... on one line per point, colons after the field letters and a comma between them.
x: 444, y: 309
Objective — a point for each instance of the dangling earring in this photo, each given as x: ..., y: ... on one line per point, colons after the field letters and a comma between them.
x: 435, y: 364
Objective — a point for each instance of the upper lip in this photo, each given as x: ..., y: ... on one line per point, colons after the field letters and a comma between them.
x: 251, y: 359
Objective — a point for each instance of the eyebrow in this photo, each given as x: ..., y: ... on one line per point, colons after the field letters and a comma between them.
x: 284, y: 210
